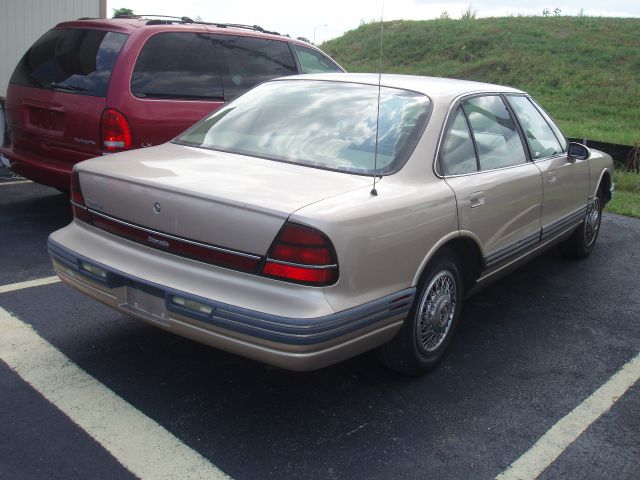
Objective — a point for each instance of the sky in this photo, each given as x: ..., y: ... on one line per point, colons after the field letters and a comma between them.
x: 320, y: 21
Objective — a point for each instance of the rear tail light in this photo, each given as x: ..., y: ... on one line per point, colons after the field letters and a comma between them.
x: 77, y: 199
x: 115, y: 131
x: 299, y: 254
x: 302, y: 255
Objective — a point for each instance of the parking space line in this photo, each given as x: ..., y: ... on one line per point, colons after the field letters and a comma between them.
x: 17, y: 182
x: 551, y: 445
x: 28, y: 284
x: 140, y: 444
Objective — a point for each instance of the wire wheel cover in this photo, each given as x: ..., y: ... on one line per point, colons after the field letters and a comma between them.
x: 436, y: 311
x: 592, y: 222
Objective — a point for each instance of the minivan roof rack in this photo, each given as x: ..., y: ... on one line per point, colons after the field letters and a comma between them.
x: 140, y: 17
x: 166, y: 19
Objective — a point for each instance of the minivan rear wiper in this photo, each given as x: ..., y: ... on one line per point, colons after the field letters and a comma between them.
x: 178, y: 96
x: 72, y: 88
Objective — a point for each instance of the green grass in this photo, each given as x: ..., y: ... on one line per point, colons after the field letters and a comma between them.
x: 584, y: 70
x: 626, y: 198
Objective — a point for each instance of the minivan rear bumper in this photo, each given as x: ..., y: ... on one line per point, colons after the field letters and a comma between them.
x: 40, y: 169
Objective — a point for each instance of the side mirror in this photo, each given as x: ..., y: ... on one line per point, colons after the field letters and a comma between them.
x: 579, y: 151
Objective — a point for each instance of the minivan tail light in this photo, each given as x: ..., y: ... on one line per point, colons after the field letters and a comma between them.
x: 77, y: 199
x: 115, y: 131
x: 302, y: 254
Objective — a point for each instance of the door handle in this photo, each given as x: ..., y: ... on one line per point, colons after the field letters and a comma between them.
x: 476, y: 199
x: 552, y: 176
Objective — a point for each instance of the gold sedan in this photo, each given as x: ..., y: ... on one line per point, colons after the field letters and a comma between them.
x: 317, y: 217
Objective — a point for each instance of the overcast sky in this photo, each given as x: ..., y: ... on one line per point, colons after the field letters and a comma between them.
x: 331, y: 18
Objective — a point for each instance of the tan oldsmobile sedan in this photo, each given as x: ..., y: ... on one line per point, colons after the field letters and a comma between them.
x: 259, y: 230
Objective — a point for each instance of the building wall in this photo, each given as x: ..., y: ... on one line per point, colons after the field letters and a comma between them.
x: 22, y: 22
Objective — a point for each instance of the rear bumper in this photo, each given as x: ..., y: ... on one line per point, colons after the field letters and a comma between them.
x: 289, y: 342
x: 40, y: 169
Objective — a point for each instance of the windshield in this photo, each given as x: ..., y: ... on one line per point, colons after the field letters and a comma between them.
x: 321, y: 124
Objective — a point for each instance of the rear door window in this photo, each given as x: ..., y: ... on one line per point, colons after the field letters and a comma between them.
x: 249, y: 61
x: 458, y: 154
x: 196, y: 66
x: 72, y: 60
x: 182, y: 65
x: 314, y: 62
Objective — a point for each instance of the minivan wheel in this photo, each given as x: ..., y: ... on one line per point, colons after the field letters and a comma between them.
x: 583, y: 239
x: 431, y: 322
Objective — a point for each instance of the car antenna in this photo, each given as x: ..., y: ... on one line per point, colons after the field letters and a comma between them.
x: 374, y: 192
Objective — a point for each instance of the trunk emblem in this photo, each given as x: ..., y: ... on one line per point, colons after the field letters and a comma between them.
x: 157, y: 207
x: 155, y: 241
x: 95, y: 204
x: 84, y: 141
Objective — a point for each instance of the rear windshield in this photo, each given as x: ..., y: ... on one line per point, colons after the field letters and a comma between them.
x: 191, y: 66
x: 71, y: 60
x: 330, y: 125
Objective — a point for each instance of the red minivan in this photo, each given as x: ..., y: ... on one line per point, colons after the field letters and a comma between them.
x: 91, y: 87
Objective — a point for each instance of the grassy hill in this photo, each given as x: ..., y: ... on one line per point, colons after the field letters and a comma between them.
x: 584, y: 70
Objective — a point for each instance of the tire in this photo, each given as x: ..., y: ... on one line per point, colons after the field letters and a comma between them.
x: 583, y: 239
x: 424, y: 337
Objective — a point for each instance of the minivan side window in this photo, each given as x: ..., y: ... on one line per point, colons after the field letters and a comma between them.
x: 458, y: 154
x: 72, y: 60
x: 249, y: 61
x: 314, y: 62
x: 495, y: 133
x: 180, y: 65
x: 541, y: 139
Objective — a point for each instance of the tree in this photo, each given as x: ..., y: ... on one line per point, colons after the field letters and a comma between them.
x: 468, y: 14
x: 122, y: 12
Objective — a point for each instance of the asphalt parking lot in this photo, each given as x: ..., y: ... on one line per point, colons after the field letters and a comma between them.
x: 531, y: 349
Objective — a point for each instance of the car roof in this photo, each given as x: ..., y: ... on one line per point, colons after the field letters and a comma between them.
x: 435, y: 87
x: 130, y: 25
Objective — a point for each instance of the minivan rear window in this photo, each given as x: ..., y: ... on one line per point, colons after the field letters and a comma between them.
x: 72, y: 60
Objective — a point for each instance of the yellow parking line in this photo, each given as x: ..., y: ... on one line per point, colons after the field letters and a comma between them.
x: 28, y: 284
x: 569, y: 428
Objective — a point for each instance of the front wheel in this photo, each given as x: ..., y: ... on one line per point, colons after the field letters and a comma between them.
x: 583, y: 240
x: 432, y: 320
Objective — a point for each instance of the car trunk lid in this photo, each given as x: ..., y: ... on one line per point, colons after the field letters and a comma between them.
x: 221, y: 199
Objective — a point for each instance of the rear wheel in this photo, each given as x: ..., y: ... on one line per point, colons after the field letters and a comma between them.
x: 583, y: 240
x: 429, y: 327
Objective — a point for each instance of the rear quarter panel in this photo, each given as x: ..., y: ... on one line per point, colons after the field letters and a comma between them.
x: 382, y: 241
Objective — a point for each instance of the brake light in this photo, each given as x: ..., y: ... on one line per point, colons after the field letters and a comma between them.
x: 77, y: 199
x: 115, y: 131
x: 302, y: 255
